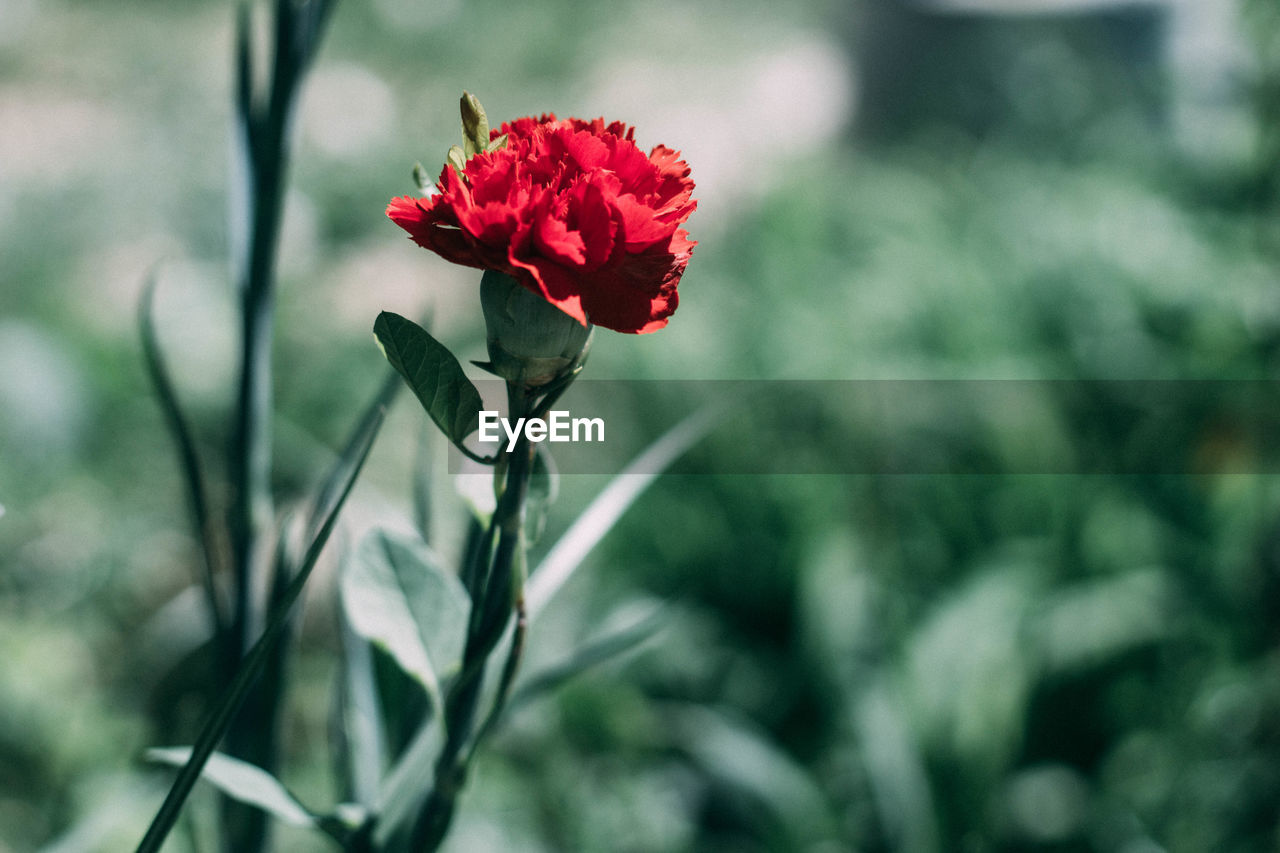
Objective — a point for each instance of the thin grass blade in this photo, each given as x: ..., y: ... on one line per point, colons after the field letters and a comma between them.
x: 188, y: 456
x: 331, y: 486
x: 599, y: 517
x: 595, y: 652
x: 215, y: 727
x: 244, y: 782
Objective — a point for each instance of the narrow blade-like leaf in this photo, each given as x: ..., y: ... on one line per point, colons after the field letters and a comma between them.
x: 603, y: 512
x: 184, y: 440
x: 595, y: 652
x: 433, y: 373
x: 325, y: 497
x: 244, y: 66
x: 216, y: 726
x: 423, y: 476
x: 422, y: 180
x: 244, y: 782
x: 406, y: 785
x: 741, y: 756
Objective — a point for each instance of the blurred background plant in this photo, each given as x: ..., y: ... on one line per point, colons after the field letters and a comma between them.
x: 1031, y: 189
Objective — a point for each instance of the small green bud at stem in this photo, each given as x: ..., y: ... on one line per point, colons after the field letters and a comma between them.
x: 475, y: 125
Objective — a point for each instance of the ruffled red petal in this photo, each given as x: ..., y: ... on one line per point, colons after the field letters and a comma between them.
x: 575, y: 212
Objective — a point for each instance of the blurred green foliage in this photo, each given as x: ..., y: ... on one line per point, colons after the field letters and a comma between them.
x: 973, y: 663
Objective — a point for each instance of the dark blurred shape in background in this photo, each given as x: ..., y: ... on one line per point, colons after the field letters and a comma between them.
x: 1038, y: 72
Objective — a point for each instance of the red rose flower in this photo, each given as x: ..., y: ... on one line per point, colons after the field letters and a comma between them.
x: 574, y: 211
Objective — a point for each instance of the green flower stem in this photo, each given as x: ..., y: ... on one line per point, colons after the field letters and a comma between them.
x: 264, y: 136
x: 512, y: 665
x: 495, y: 594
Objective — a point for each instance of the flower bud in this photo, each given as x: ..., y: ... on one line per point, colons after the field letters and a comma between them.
x: 426, y: 186
x: 457, y: 159
x: 475, y: 125
x: 531, y: 341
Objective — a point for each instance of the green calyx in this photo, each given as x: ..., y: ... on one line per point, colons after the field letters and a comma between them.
x: 531, y: 342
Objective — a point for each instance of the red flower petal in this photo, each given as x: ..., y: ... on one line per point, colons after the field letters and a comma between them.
x: 575, y: 212
x: 588, y: 151
x: 553, y: 282
x: 590, y: 211
x: 554, y: 239
x: 641, y: 229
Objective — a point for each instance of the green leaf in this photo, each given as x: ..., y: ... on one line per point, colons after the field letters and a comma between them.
x: 496, y: 143
x: 254, y: 662
x: 318, y: 14
x: 184, y: 442
x: 244, y: 782
x: 475, y: 125
x: 740, y: 755
x: 894, y: 766
x: 357, y: 730
x: 397, y: 596
x: 457, y: 158
x: 252, y: 785
x: 423, y: 476
x: 404, y: 787
x: 610, y: 645
x: 347, y: 825
x: 602, y: 513
x: 422, y: 179
x: 326, y: 494
x: 244, y: 67
x: 544, y: 486
x: 433, y: 373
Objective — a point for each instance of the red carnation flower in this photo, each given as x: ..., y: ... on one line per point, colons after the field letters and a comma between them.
x: 574, y: 211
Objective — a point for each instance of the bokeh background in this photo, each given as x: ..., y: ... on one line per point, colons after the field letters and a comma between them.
x: 962, y: 189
